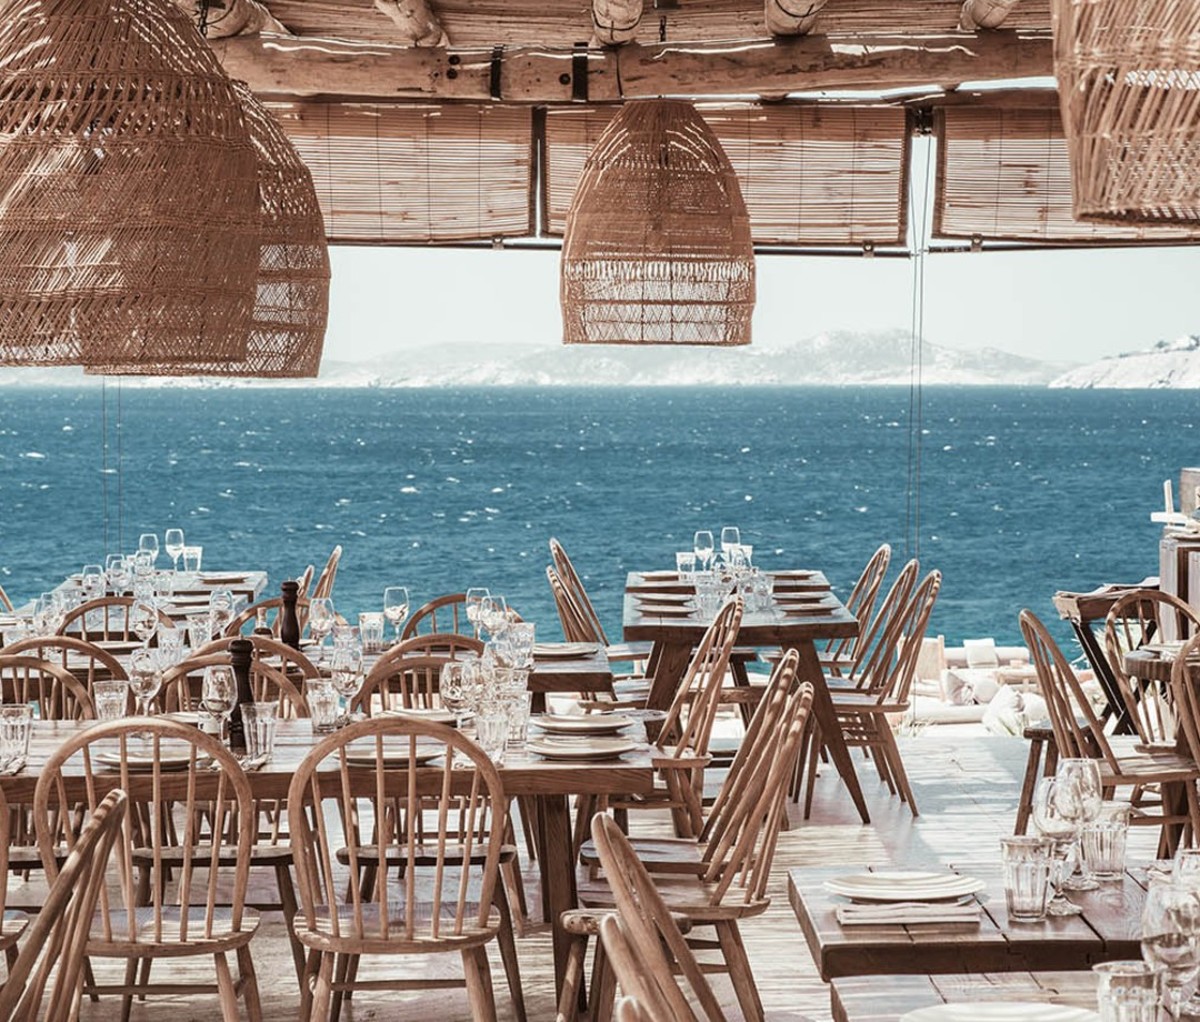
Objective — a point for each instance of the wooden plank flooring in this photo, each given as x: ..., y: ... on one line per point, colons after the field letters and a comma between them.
x: 966, y: 786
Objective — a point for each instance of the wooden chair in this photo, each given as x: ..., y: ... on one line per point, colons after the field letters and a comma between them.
x: 181, y: 687
x: 840, y: 653
x: 5, y: 602
x: 573, y: 586
x: 440, y: 895
x: 408, y: 675
x: 105, y: 620
x: 12, y: 922
x: 1079, y: 733
x: 273, y: 653
x: 55, y: 691
x: 444, y: 615
x: 627, y: 1009
x: 272, y: 606
x: 304, y: 581
x: 85, y: 660
x: 182, y: 866
x: 875, y: 645
x: 58, y: 940
x: 323, y: 590
x: 1134, y: 620
x: 886, y: 683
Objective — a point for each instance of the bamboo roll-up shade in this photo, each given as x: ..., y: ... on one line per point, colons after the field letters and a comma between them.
x: 411, y: 174
x: 810, y: 175
x: 287, y: 330
x: 1004, y: 174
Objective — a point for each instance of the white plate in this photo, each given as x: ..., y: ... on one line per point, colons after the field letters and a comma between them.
x: 395, y: 753
x: 582, y: 724
x: 904, y: 885
x: 808, y: 609
x: 580, y: 748
x: 564, y: 650
x: 432, y: 716
x: 1000, y: 1011
x: 664, y: 597
x: 143, y: 762
x: 660, y: 576
x: 666, y: 610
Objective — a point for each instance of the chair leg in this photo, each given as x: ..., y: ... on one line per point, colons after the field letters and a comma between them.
x: 816, y: 747
x: 1033, y: 768
x: 226, y: 990
x: 287, y: 901
x: 249, y: 983
x: 131, y: 971
x: 739, y: 969
x: 479, y: 984
x: 322, y: 989
x: 345, y: 969
x: 508, y: 953
x: 311, y: 965
x: 896, y: 764
x: 604, y: 986
x: 568, y: 999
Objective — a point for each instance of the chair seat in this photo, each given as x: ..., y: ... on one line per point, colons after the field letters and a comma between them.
x: 352, y: 939
x: 399, y: 855
x: 147, y: 941
x: 658, y: 854
x: 260, y: 855
x: 688, y: 895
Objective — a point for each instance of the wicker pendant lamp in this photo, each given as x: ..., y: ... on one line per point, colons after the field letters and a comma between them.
x: 128, y: 195
x: 657, y: 245
x: 1128, y: 73
x: 287, y: 331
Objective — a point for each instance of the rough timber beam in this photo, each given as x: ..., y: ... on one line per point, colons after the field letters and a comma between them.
x: 985, y: 13
x: 615, y: 22
x: 285, y: 66
x: 791, y: 17
x: 234, y: 17
x: 415, y: 19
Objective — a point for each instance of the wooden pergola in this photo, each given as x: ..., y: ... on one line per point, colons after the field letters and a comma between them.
x: 468, y: 121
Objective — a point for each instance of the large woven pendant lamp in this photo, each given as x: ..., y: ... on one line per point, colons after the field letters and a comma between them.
x: 1129, y: 86
x: 287, y: 332
x: 657, y: 246
x: 128, y: 193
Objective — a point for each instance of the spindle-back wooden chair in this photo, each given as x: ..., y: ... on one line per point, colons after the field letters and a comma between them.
x: 106, y: 619
x: 55, y: 691
x: 85, y: 660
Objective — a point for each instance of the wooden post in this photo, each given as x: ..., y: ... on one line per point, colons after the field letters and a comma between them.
x: 418, y: 24
x: 615, y: 22
x: 791, y: 17
x: 237, y: 17
x: 978, y: 14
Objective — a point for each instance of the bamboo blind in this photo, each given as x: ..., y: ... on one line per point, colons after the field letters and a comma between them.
x: 411, y: 174
x: 1004, y: 175
x: 810, y: 175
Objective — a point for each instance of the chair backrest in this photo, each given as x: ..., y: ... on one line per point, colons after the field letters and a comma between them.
x: 574, y: 585
x: 629, y: 1009
x: 5, y: 602
x: 444, y: 615
x: 105, y: 618
x: 85, y: 660
x: 642, y: 974
x: 304, y: 581
x: 210, y: 816
x: 651, y: 933
x: 879, y: 640
x: 58, y: 694
x: 689, y: 721
x: 272, y: 607
x: 291, y: 661
x: 1185, y: 676
x: 894, y: 667
x: 454, y: 816
x: 574, y: 621
x: 1066, y: 700
x: 323, y: 590
x: 182, y: 685
x: 862, y: 599
x: 1134, y: 620
x: 57, y: 941
x: 408, y: 676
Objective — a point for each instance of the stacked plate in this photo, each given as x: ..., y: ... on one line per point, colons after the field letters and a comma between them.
x: 564, y: 650
x: 142, y: 762
x: 397, y: 752
x: 582, y: 724
x: 582, y: 748
x: 905, y: 885
x: 1000, y: 1011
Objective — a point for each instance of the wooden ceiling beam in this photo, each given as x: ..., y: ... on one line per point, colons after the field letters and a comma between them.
x: 615, y: 22
x: 791, y: 17
x: 978, y: 14
x: 284, y: 66
x: 416, y: 20
x: 234, y: 17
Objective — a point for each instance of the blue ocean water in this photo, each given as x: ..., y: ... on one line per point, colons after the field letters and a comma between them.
x: 1023, y: 491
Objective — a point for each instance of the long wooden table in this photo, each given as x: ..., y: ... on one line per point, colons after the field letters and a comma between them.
x: 675, y: 638
x: 550, y: 784
x: 888, y: 998
x: 1109, y: 928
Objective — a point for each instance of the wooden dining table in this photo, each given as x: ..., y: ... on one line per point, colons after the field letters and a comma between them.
x: 550, y: 784
x: 781, y: 625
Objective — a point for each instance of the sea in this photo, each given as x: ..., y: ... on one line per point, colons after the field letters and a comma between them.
x: 1013, y: 493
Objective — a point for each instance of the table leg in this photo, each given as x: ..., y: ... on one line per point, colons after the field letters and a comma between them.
x: 557, y: 864
x: 668, y: 670
x: 831, y: 731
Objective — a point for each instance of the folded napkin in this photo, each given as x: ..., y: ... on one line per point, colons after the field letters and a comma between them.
x: 875, y: 915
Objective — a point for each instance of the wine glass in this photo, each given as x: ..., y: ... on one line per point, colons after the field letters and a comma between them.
x: 395, y: 607
x: 1170, y: 930
x: 143, y: 620
x: 218, y: 694
x: 320, y: 621
x: 452, y: 690
x: 148, y: 544
x: 173, y: 539
x: 1079, y: 798
x: 116, y: 568
x: 731, y: 539
x: 220, y: 611
x: 1064, y: 832
x: 92, y: 581
x: 475, y: 597
x: 346, y: 671
x: 145, y: 678
x: 493, y: 615
x: 702, y: 544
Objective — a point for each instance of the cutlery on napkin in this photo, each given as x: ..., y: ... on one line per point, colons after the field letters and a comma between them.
x: 867, y: 915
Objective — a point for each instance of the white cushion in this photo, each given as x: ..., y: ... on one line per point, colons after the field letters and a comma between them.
x: 981, y: 652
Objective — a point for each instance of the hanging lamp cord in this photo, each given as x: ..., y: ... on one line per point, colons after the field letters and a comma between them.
x: 916, y: 416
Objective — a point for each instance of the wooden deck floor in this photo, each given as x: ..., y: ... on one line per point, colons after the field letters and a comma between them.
x: 966, y: 786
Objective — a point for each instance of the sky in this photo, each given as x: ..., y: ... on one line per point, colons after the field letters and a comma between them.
x: 1066, y: 306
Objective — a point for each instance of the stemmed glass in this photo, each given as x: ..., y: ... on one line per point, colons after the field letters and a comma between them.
x: 475, y: 598
x: 731, y: 539
x: 1064, y: 832
x: 395, y: 607
x: 346, y: 671
x: 452, y: 689
x: 493, y: 615
x: 320, y: 622
x: 145, y: 678
x: 92, y: 581
x: 702, y: 544
x: 1079, y: 798
x: 116, y: 568
x: 148, y: 544
x: 173, y: 538
x: 218, y: 694
x: 220, y: 611
x: 1170, y: 927
x: 143, y: 620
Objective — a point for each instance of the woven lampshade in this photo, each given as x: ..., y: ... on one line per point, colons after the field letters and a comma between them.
x: 657, y: 245
x: 287, y: 331
x: 1127, y: 80
x: 129, y: 225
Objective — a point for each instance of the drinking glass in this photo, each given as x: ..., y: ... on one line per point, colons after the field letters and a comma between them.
x: 320, y: 622
x: 731, y: 539
x: 43, y: 615
x: 1028, y: 867
x: 702, y: 544
x: 220, y: 611
x: 1127, y: 991
x: 260, y: 720
x: 685, y: 564
x: 117, y: 573
x: 1102, y: 842
x: 148, y: 544
x: 521, y: 637
x: 475, y: 597
x: 16, y: 723
x: 111, y: 698
x: 395, y: 607
x: 1050, y: 822
x: 218, y: 694
x: 1079, y: 798
x: 517, y: 706
x: 493, y: 614
x: 92, y: 581
x: 322, y: 699
x: 193, y: 557
x: 452, y: 689
x: 197, y: 630
x: 491, y: 733
x: 1170, y: 927
x: 143, y: 620
x: 370, y: 630
x: 346, y: 673
x: 173, y: 538
x: 145, y: 678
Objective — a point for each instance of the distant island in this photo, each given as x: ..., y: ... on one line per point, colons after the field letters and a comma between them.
x: 1168, y: 365
x: 841, y: 358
